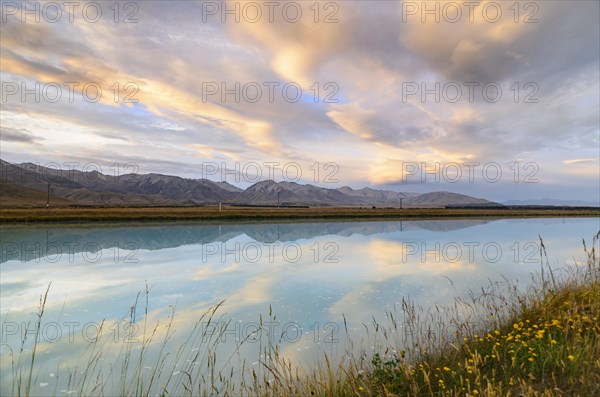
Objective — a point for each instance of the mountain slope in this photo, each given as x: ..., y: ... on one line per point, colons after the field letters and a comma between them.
x: 94, y: 188
x: 444, y: 198
x: 14, y: 195
x: 375, y: 196
x: 267, y: 193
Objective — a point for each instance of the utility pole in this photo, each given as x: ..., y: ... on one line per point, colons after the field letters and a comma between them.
x: 401, y: 198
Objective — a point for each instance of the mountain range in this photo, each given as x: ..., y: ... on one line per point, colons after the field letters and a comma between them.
x: 27, y: 184
x: 552, y: 202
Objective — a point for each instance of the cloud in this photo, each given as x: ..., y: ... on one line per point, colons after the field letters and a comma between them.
x: 295, y: 50
x: 367, y: 56
x: 369, y: 125
x: 18, y: 135
x: 582, y: 167
x: 161, y: 97
x: 581, y: 161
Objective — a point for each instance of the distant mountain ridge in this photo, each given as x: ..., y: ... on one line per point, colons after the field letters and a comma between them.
x: 555, y: 202
x: 76, y: 187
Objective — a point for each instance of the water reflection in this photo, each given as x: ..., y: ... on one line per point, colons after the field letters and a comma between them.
x: 310, y: 276
x: 31, y: 243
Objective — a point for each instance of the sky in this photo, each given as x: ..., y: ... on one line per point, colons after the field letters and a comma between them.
x: 498, y: 100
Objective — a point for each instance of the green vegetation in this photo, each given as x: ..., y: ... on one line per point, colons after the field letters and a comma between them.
x: 550, y: 347
x: 265, y: 213
x: 500, y: 341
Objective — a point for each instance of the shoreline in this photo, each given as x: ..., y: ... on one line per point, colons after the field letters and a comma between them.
x: 110, y: 214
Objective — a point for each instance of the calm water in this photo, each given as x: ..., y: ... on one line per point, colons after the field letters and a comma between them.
x: 308, y: 276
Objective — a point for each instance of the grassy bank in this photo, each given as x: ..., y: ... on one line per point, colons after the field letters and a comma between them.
x: 550, y: 348
x: 502, y: 340
x: 258, y: 213
x: 542, y: 342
